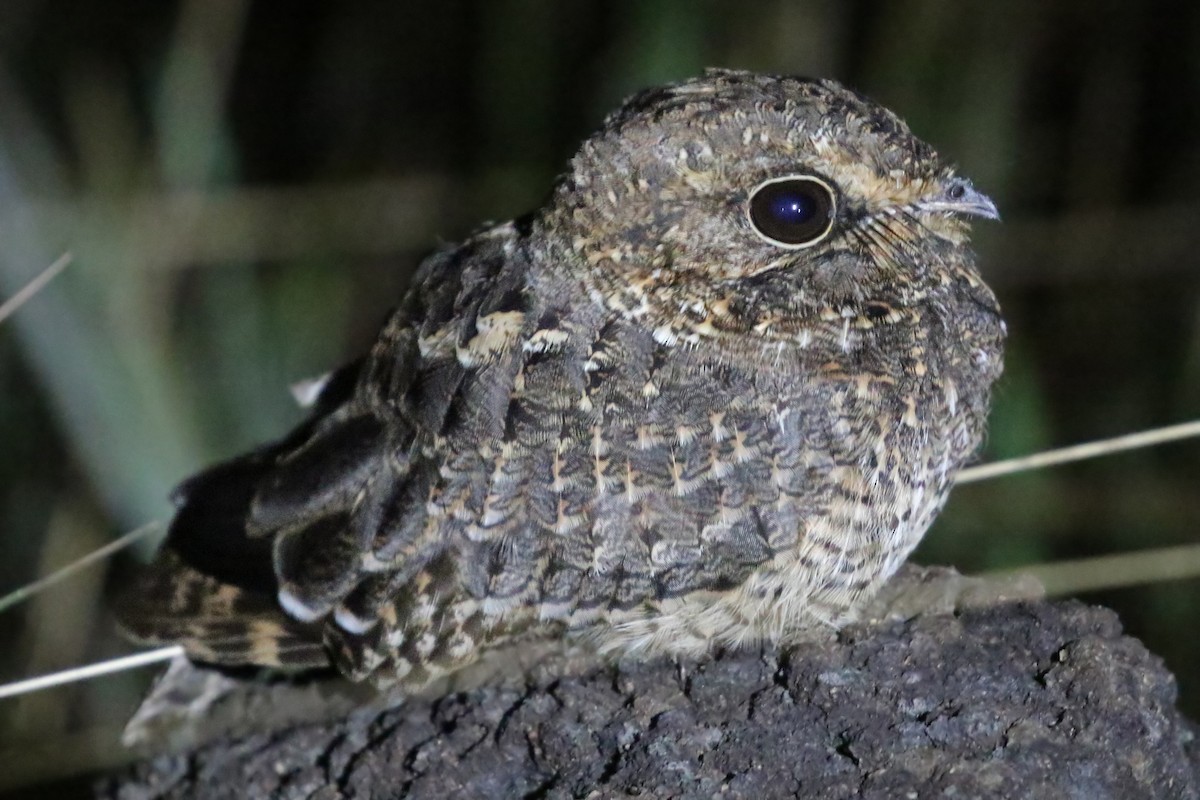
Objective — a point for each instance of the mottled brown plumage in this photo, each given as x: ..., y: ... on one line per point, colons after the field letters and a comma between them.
x: 637, y: 415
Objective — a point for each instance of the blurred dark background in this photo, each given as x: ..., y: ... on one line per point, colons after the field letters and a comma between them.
x: 246, y: 187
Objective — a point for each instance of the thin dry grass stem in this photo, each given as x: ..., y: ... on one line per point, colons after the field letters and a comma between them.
x: 77, y: 674
x: 29, y: 590
x: 1060, y: 578
x: 9, y: 306
x: 1079, y: 452
x: 1115, y: 571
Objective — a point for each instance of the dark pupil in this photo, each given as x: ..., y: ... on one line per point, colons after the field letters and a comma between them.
x: 792, y: 211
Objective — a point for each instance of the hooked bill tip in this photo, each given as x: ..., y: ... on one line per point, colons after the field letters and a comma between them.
x: 960, y: 197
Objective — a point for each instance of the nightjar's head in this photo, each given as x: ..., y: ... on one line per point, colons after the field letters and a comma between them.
x: 778, y: 195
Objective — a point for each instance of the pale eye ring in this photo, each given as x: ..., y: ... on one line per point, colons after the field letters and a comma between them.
x: 794, y: 211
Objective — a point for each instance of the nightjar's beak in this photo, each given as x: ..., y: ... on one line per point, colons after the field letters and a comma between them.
x: 960, y: 197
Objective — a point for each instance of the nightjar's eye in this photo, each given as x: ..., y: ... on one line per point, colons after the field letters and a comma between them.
x: 795, y: 211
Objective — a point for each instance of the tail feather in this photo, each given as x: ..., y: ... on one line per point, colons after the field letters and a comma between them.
x: 174, y: 603
x: 213, y: 586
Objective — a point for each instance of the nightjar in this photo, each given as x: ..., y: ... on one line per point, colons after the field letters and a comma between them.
x: 711, y: 394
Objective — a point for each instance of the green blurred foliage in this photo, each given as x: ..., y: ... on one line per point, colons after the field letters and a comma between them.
x: 247, y: 185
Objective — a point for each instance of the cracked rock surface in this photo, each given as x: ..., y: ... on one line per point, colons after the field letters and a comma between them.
x: 1026, y: 700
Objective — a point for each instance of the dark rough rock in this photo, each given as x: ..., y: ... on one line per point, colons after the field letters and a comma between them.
x: 1033, y: 700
